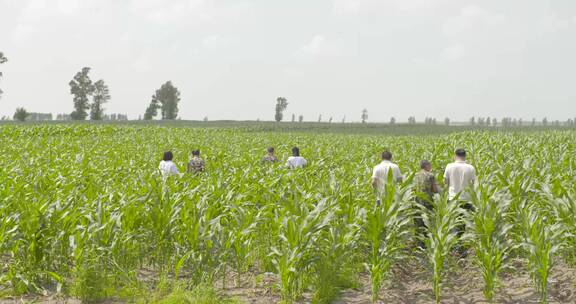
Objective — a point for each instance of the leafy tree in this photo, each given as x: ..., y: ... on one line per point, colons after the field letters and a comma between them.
x: 21, y: 114
x: 344, y: 119
x: 301, y: 118
x: 101, y: 96
x: 447, y: 121
x: 293, y: 117
x: 364, y: 115
x: 151, y: 110
x: 494, y: 121
x: 168, y: 97
x: 3, y: 59
x: 320, y: 118
x: 473, y: 120
x: 281, y: 105
x: 330, y: 120
x: 545, y: 121
x: 411, y: 120
x: 392, y: 120
x: 81, y: 87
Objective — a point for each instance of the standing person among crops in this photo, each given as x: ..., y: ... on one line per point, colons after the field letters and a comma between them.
x: 167, y: 167
x: 380, y: 174
x: 458, y: 176
x: 296, y: 161
x: 196, y: 164
x: 424, y: 189
x: 270, y: 157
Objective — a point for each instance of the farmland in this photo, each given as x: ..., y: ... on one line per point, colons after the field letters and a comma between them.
x: 86, y: 215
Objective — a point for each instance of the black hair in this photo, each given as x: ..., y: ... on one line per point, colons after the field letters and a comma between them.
x: 295, y: 151
x: 270, y: 150
x: 460, y: 152
x: 424, y: 164
x: 386, y: 155
x: 168, y: 156
x: 196, y: 152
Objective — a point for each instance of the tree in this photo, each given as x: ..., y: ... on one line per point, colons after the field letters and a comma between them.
x: 392, y: 120
x: 412, y: 120
x: 301, y: 118
x: 330, y: 120
x: 293, y: 117
x: 101, y: 96
x: 167, y: 97
x: 281, y: 105
x: 364, y: 115
x: 494, y: 121
x: 81, y: 87
x: 344, y: 119
x: 545, y: 121
x: 3, y: 59
x: 447, y: 121
x: 473, y: 120
x: 21, y: 114
x: 320, y: 118
x: 151, y: 110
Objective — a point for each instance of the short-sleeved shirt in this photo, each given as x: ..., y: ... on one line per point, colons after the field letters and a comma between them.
x: 424, y: 182
x: 380, y: 173
x: 270, y: 159
x: 196, y: 164
x: 459, y: 175
x: 294, y: 162
x: 167, y: 168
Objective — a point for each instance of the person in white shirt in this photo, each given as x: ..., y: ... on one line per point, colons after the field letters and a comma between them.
x: 458, y: 176
x: 296, y: 161
x: 380, y: 174
x: 167, y: 167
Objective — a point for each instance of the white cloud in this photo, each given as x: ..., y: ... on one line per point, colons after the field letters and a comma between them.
x: 322, y: 47
x: 343, y: 7
x: 454, y: 52
x: 214, y: 42
x: 471, y: 18
x: 163, y: 12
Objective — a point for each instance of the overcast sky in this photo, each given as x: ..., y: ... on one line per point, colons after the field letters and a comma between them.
x: 232, y: 58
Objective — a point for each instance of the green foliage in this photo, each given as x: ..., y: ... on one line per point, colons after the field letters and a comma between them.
x: 281, y: 106
x: 101, y: 96
x: 3, y: 59
x: 85, y: 213
x: 21, y: 114
x: 82, y: 88
x: 166, y: 99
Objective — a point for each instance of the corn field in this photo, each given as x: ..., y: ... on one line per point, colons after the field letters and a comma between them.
x: 84, y: 211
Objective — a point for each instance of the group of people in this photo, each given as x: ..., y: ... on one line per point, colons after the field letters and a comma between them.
x: 458, y: 176
x: 197, y: 164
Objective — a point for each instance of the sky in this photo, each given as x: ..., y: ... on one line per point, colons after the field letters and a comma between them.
x: 231, y: 59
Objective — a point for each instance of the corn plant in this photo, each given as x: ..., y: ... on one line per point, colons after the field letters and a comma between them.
x: 542, y: 241
x: 489, y: 235
x: 295, y: 251
x: 442, y: 227
x: 386, y: 231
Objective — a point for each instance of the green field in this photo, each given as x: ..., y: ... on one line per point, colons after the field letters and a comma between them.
x: 85, y: 214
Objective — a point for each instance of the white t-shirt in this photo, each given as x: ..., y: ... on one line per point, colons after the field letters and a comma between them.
x: 167, y: 168
x: 296, y: 162
x: 459, y: 175
x: 381, y: 173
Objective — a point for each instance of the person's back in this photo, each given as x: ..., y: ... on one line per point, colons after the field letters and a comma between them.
x: 296, y: 161
x: 270, y: 157
x: 425, y: 185
x: 381, y: 171
x: 459, y: 175
x: 196, y: 164
x: 167, y: 167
